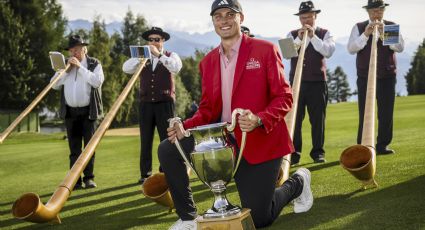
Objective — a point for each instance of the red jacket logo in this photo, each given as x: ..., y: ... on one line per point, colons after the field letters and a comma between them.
x: 253, y: 64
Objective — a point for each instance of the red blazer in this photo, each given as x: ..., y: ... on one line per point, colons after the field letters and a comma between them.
x: 259, y: 85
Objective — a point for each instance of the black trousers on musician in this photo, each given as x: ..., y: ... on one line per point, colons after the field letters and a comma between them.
x: 152, y: 114
x: 255, y: 183
x: 385, y: 97
x: 313, y: 96
x: 79, y: 129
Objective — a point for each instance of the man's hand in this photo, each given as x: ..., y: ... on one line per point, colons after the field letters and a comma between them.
x: 74, y: 62
x: 177, y: 131
x: 306, y: 28
x: 155, y: 52
x: 369, y: 28
x: 248, y: 121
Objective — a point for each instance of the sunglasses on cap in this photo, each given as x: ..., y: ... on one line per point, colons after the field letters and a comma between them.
x: 154, y: 39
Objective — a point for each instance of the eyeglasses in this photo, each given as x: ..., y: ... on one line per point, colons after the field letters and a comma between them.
x: 154, y: 39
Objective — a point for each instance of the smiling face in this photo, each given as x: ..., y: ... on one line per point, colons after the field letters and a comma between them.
x: 227, y: 23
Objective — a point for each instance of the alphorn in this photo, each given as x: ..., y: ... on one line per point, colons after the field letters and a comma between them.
x: 290, y: 118
x: 360, y: 160
x: 29, y: 206
x: 31, y: 106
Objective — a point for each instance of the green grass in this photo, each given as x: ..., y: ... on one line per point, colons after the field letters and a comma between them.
x: 38, y: 163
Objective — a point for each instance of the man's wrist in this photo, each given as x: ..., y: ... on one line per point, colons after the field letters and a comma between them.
x: 259, y: 122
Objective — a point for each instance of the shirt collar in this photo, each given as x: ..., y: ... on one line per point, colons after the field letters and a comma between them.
x: 235, y: 48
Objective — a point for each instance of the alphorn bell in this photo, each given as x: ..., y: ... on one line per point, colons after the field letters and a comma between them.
x: 360, y: 160
x: 290, y: 118
x: 31, y: 106
x: 29, y: 206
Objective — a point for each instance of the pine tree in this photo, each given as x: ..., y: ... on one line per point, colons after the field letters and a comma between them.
x: 15, y: 63
x: 44, y: 26
x: 415, y: 78
x: 339, y: 89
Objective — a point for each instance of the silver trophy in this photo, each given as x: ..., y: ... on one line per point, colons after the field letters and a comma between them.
x: 213, y: 161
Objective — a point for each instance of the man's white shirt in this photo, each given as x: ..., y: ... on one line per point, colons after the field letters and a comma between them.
x: 173, y: 63
x: 325, y: 47
x: 78, y: 82
x: 358, y: 41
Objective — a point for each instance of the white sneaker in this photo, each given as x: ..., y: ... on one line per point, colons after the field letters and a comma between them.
x: 304, y: 201
x: 184, y: 225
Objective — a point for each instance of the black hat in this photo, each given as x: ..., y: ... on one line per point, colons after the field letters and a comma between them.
x: 306, y: 7
x: 75, y: 40
x: 246, y: 30
x: 231, y: 4
x: 155, y: 30
x: 375, y: 4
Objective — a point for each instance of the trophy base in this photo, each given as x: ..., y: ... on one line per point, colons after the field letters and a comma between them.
x: 240, y: 221
x: 230, y: 212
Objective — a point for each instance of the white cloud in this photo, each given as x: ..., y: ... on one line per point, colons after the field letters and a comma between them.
x: 266, y: 17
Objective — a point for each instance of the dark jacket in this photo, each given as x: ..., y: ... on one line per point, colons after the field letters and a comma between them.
x: 158, y: 84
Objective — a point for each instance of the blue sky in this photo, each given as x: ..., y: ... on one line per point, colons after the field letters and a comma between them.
x: 265, y: 17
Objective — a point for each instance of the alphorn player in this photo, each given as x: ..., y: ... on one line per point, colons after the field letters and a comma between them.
x: 157, y: 94
x: 81, y: 103
x: 242, y: 72
x: 313, y: 93
x: 360, y: 43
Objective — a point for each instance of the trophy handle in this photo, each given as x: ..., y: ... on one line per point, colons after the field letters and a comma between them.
x: 231, y: 128
x: 173, y: 121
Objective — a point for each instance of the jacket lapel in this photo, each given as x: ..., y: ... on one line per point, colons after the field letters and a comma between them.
x: 244, y: 51
x: 216, y: 75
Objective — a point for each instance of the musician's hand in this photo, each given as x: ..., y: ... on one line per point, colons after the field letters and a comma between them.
x: 155, y: 52
x: 310, y: 30
x: 300, y: 33
x: 177, y: 131
x: 248, y: 121
x: 74, y: 62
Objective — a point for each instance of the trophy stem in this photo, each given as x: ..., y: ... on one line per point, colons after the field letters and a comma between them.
x: 221, y: 207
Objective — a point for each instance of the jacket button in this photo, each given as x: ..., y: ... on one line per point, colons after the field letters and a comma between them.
x: 153, y: 99
x: 152, y: 80
x: 152, y: 92
x: 151, y: 86
x: 153, y: 75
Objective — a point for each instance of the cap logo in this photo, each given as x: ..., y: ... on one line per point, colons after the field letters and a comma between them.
x: 223, y: 2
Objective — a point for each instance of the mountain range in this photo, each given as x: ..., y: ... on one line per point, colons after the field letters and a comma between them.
x: 185, y: 44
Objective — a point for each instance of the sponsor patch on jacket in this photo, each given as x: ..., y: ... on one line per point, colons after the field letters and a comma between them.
x: 253, y: 64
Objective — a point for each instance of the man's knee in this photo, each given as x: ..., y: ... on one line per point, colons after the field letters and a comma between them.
x: 164, y: 149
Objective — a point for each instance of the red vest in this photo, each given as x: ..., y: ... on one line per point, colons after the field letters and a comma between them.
x: 387, y: 66
x: 314, y: 63
x: 157, y: 85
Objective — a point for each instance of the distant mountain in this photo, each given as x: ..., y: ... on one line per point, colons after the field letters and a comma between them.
x: 185, y: 45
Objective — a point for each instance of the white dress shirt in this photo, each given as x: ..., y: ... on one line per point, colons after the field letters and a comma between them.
x: 78, y: 83
x: 173, y: 63
x: 325, y: 47
x: 358, y: 41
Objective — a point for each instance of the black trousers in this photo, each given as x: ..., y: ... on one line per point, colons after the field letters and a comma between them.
x: 152, y: 114
x: 314, y: 97
x: 80, y: 128
x: 385, y: 96
x: 255, y: 183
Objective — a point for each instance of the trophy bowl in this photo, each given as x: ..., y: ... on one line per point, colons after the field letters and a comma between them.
x: 213, y: 160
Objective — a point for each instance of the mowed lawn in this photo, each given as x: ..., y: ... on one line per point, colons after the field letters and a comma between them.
x: 38, y: 163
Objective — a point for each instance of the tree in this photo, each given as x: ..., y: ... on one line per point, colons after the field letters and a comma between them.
x: 15, y: 64
x: 189, y: 74
x: 415, y: 77
x: 44, y: 26
x: 338, y: 87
